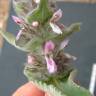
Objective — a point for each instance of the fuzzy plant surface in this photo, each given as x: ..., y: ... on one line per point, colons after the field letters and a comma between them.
x: 44, y: 38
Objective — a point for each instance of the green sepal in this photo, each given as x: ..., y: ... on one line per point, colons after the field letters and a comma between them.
x: 41, y: 14
x: 36, y: 71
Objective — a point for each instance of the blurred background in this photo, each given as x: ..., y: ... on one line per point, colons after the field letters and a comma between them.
x: 82, y: 44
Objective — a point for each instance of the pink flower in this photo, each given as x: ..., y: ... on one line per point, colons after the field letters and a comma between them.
x: 51, y: 65
x: 49, y: 47
x: 57, y: 28
x: 17, y: 20
x: 56, y: 16
x: 19, y: 34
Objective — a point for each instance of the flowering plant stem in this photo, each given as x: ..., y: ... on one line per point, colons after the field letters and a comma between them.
x: 43, y: 38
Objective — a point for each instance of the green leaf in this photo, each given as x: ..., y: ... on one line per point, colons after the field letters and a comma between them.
x: 70, y: 88
x: 57, y: 87
x: 34, y: 45
x: 41, y: 14
x: 75, y: 27
x: 22, y: 7
x: 8, y: 36
x: 52, y: 90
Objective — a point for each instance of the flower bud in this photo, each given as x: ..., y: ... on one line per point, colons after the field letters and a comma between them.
x: 35, y: 24
x: 31, y: 59
x: 17, y: 20
x: 37, y: 1
x: 51, y: 65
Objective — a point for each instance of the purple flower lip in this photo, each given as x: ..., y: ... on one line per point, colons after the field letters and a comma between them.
x: 51, y: 65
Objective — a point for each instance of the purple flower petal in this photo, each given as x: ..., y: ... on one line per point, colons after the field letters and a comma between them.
x: 56, y: 16
x: 51, y: 65
x: 17, y: 20
x: 55, y: 28
x: 48, y: 47
x: 19, y: 34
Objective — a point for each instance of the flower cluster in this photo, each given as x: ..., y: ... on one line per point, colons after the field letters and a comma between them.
x: 41, y: 34
x: 49, y: 45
